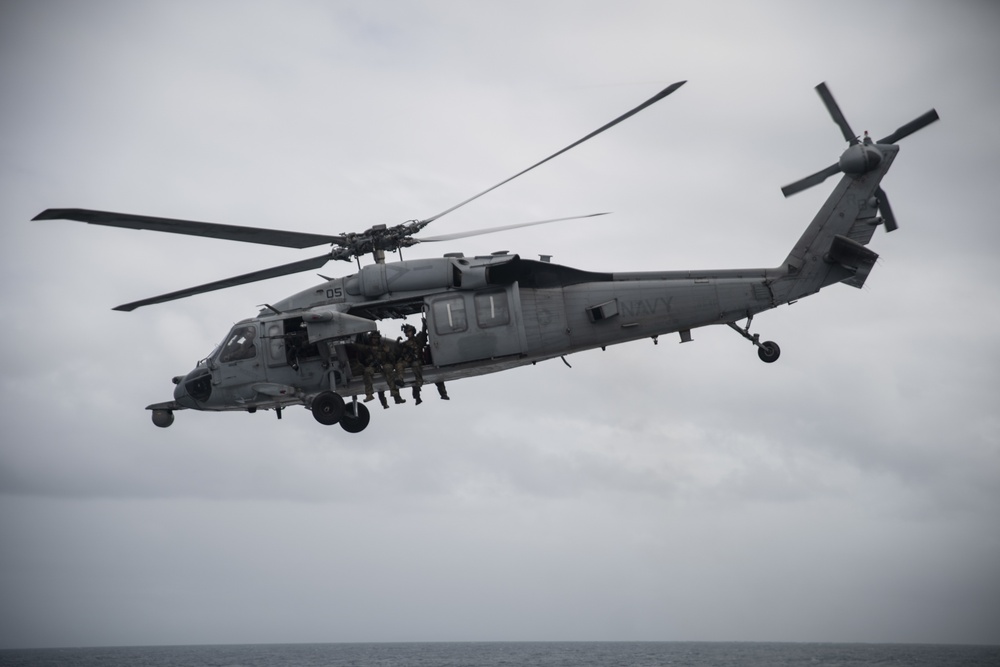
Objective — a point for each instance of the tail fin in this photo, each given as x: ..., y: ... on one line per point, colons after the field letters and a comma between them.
x: 832, y: 249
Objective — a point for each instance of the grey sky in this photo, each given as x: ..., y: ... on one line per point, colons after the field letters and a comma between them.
x: 849, y: 492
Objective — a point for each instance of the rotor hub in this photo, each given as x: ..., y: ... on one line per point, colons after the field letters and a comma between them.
x: 860, y: 158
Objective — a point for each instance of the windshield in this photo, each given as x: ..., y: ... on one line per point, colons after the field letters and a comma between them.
x: 240, y: 344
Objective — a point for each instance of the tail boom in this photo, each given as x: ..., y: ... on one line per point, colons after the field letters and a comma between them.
x: 833, y: 247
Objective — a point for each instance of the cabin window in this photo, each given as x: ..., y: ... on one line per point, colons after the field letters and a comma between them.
x: 275, y: 343
x: 449, y: 315
x: 240, y: 344
x: 492, y: 310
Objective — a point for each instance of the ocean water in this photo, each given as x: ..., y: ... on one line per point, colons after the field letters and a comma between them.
x: 497, y: 654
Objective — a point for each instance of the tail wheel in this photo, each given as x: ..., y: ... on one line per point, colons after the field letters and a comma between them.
x: 328, y: 408
x: 356, y: 417
x: 769, y: 352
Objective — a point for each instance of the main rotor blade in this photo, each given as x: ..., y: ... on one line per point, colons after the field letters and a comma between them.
x: 809, y: 181
x: 838, y: 117
x: 653, y: 100
x: 887, y: 214
x: 916, y: 124
x: 491, y: 230
x: 254, y: 276
x: 261, y: 235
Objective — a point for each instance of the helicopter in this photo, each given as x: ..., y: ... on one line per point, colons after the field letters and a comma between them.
x: 486, y: 314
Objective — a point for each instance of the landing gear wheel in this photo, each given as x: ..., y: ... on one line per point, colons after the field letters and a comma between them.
x: 769, y: 351
x: 328, y: 408
x: 356, y: 417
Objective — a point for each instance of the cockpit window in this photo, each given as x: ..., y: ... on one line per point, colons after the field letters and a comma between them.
x: 240, y: 344
x: 199, y: 385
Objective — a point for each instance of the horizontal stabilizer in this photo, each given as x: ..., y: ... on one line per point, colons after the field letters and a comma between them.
x: 852, y: 256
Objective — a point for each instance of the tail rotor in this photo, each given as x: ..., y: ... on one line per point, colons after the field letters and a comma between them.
x: 861, y: 155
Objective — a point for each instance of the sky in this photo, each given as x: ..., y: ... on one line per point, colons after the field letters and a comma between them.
x: 849, y: 492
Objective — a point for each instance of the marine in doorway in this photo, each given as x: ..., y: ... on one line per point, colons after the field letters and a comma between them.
x: 412, y: 357
x: 379, y: 357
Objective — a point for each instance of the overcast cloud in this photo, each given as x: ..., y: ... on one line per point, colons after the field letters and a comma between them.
x: 849, y: 492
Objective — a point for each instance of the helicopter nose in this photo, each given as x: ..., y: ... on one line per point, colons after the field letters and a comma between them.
x: 182, y: 397
x: 193, y: 388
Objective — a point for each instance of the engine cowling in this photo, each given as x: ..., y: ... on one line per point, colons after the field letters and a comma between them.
x: 329, y: 323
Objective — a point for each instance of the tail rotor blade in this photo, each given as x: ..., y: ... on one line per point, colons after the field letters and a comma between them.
x: 838, y: 117
x: 887, y: 214
x: 911, y: 127
x: 850, y: 157
x: 809, y: 181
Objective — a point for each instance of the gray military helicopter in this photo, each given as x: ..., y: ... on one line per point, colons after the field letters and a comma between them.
x: 492, y: 313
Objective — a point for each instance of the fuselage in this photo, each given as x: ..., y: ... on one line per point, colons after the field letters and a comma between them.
x: 483, y: 315
x: 492, y: 313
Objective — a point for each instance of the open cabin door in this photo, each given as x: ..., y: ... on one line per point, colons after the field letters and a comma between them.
x: 471, y: 326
